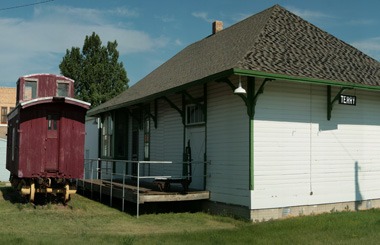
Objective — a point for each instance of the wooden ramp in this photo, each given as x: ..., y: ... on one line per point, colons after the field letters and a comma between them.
x: 148, y: 192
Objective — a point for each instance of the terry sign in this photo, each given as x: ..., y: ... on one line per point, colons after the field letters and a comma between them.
x: 347, y: 99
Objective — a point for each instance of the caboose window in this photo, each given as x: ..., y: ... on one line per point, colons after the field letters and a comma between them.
x: 30, y: 90
x: 62, y: 89
x: 52, y: 122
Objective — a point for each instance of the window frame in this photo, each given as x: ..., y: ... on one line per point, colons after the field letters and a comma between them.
x: 194, y: 110
x: 34, y: 89
x: 53, y: 120
x: 61, y: 82
x: 107, y: 136
x: 147, y: 136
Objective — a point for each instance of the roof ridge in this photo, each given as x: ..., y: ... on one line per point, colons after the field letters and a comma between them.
x: 279, y: 7
x: 290, y: 45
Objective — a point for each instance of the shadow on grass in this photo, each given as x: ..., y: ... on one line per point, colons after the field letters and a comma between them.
x: 11, y: 195
x: 146, y: 208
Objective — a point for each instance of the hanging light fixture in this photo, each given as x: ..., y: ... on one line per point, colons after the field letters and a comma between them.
x: 240, y: 89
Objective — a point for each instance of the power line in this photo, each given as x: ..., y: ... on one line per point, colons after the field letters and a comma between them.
x: 25, y: 5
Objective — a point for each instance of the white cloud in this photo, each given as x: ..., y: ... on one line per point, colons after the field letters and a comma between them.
x: 239, y: 17
x: 165, y: 18
x: 202, y: 15
x: 178, y: 42
x: 124, y: 12
x: 308, y: 14
x: 38, y: 44
x: 362, y: 22
x: 369, y: 46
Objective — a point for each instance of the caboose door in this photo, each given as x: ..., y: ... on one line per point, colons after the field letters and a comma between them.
x: 52, y: 143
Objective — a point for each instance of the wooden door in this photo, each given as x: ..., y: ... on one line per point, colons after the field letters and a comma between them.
x: 196, y: 136
x: 52, y: 143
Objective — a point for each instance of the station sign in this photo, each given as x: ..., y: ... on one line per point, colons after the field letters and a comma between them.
x: 347, y: 99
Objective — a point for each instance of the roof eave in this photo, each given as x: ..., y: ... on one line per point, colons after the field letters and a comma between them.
x: 290, y: 78
x: 229, y: 72
x: 151, y: 97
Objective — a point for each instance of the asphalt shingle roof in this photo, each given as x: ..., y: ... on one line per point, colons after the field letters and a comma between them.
x: 273, y: 41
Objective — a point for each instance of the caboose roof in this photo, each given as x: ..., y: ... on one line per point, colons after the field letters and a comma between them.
x: 47, y: 74
x: 274, y: 43
x: 43, y: 100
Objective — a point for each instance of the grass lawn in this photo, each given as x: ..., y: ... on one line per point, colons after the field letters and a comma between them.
x: 85, y: 221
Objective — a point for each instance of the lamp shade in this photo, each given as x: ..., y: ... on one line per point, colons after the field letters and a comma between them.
x: 240, y: 89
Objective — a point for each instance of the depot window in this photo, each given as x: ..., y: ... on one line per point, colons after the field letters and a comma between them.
x: 107, y: 136
x: 194, y: 114
x: 146, y: 137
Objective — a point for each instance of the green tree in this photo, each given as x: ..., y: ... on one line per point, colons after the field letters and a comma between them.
x: 97, y: 73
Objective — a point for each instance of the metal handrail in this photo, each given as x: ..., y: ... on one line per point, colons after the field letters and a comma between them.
x: 98, y: 171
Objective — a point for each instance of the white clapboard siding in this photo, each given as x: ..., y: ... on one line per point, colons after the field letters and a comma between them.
x: 157, y: 134
x: 120, y: 169
x: 301, y: 158
x: 167, y: 140
x: 281, y: 144
x: 196, y: 92
x: 173, y: 131
x: 91, y: 148
x: 345, y: 155
x: 129, y: 169
x: 227, y: 146
x: 156, y: 147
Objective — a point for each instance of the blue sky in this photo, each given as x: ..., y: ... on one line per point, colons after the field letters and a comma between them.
x: 34, y: 38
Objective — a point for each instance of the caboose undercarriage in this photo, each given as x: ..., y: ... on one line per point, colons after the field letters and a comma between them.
x: 30, y: 187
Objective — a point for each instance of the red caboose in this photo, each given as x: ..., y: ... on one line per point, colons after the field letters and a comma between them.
x: 46, y: 133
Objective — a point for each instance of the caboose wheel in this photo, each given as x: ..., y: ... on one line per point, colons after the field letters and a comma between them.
x: 67, y: 194
x: 28, y: 191
x: 20, y: 186
x: 32, y: 192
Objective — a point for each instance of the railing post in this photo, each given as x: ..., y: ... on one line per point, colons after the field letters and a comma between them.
x: 99, y: 163
x: 97, y: 167
x: 101, y: 182
x: 111, y: 189
x: 138, y: 189
x: 123, y: 188
x: 92, y: 178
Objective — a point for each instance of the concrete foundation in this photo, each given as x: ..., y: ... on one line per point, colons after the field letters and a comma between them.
x: 259, y: 215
